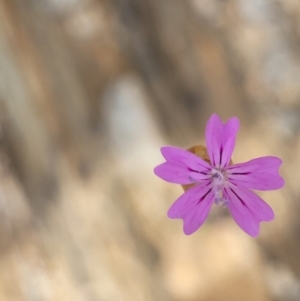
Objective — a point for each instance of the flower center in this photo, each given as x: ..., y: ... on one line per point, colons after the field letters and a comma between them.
x: 219, y: 182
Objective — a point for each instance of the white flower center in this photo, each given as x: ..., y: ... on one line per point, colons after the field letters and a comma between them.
x: 219, y: 182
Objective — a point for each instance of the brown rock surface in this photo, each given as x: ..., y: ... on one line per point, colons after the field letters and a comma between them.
x: 89, y: 91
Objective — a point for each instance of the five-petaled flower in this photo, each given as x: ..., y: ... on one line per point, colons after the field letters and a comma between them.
x: 220, y: 181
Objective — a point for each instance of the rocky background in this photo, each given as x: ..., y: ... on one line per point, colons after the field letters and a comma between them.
x: 89, y: 91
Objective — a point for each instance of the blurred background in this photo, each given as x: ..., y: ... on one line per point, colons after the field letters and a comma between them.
x: 89, y: 91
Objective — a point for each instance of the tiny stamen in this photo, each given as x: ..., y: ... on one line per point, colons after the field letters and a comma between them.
x: 219, y: 181
x: 221, y: 201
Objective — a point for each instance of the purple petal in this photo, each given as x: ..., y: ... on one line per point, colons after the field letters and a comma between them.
x: 183, y: 157
x: 182, y: 167
x: 230, y: 130
x: 220, y: 139
x: 179, y: 174
x: 193, y: 207
x: 260, y: 174
x: 247, y: 209
x: 213, y: 136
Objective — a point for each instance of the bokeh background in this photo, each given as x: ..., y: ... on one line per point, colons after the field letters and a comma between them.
x: 89, y: 91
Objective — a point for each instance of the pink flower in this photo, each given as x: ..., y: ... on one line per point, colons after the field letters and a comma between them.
x: 219, y: 181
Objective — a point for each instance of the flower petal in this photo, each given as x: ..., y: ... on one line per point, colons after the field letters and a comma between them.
x: 213, y: 136
x: 183, y: 157
x: 182, y: 167
x: 220, y: 139
x: 247, y: 209
x: 178, y: 174
x: 261, y: 174
x: 193, y: 207
x: 230, y: 130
